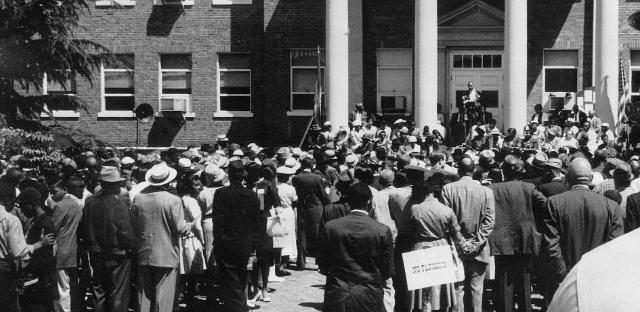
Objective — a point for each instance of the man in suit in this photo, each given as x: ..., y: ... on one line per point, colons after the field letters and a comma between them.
x: 460, y: 124
x: 632, y: 221
x: 516, y: 202
x: 358, y: 114
x: 557, y: 184
x: 311, y: 200
x: 577, y: 221
x: 577, y: 115
x: 356, y: 257
x: 236, y: 218
x: 538, y: 115
x: 474, y: 207
x: 484, y: 117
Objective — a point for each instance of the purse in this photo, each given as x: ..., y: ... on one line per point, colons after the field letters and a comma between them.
x: 275, y: 228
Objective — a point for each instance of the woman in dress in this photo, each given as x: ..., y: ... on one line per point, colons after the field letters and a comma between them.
x: 288, y: 200
x: 433, y: 224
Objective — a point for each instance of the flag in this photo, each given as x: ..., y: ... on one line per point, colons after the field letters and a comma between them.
x: 317, y: 99
x: 625, y: 97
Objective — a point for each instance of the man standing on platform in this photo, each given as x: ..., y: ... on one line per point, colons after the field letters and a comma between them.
x: 474, y: 207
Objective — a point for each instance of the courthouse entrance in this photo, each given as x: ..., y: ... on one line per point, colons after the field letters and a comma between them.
x: 485, y: 70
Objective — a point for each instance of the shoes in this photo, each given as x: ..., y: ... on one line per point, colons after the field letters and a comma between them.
x: 265, y: 298
x: 252, y: 306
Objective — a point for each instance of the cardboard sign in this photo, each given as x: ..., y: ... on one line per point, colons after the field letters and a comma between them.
x: 429, y: 267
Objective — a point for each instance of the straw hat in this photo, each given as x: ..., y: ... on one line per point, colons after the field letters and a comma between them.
x: 110, y: 174
x: 160, y: 174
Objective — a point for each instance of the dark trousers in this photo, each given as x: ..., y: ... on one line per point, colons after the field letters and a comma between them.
x: 513, y: 278
x: 111, y: 282
x: 402, y: 295
x: 8, y: 295
x: 308, y: 228
x: 232, y: 275
x: 301, y: 242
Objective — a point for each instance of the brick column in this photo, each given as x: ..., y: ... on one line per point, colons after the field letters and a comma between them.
x: 426, y: 63
x: 337, y: 68
x: 515, y: 64
x: 605, y: 67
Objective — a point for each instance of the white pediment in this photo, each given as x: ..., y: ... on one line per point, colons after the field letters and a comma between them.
x: 476, y: 14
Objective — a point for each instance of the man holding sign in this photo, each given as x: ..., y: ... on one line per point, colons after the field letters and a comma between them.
x: 356, y: 255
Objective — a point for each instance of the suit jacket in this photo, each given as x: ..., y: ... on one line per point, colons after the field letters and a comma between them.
x: 515, y: 230
x: 553, y: 188
x: 352, y: 116
x: 632, y: 221
x: 333, y: 211
x: 485, y: 118
x: 357, y: 258
x: 576, y: 222
x: 236, y: 220
x: 474, y: 206
x: 310, y: 189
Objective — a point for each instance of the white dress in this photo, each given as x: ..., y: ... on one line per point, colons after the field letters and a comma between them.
x: 192, y: 256
x: 287, y: 195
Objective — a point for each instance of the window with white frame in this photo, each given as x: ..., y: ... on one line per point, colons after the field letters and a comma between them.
x: 477, y: 60
x: 304, y: 75
x: 175, y: 82
x: 54, y: 87
x: 234, y: 82
x: 395, y: 81
x: 634, y: 68
x: 118, y: 87
x: 561, y: 71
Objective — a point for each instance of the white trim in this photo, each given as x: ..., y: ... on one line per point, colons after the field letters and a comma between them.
x: 108, y: 3
x: 232, y: 114
x: 545, y: 94
x: 162, y: 95
x: 116, y: 114
x: 300, y: 113
x: 61, y: 114
x: 226, y: 113
x: 182, y: 3
x: 230, y: 2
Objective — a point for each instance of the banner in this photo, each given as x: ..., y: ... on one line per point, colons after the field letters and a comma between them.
x: 429, y: 267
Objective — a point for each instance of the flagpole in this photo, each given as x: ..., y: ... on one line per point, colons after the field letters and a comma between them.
x: 317, y: 101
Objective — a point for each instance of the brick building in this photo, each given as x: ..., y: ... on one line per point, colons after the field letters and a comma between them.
x: 247, y: 68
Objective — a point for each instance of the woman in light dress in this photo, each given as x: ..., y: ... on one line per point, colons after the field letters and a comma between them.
x: 288, y: 199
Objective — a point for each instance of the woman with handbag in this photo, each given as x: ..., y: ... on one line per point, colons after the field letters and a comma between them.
x: 434, y: 224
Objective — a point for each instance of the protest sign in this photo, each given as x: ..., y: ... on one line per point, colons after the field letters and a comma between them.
x: 429, y: 267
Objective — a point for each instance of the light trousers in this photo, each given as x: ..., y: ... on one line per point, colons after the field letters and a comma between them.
x: 156, y: 288
x: 63, y: 303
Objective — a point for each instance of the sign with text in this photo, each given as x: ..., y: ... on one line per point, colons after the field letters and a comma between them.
x: 429, y: 267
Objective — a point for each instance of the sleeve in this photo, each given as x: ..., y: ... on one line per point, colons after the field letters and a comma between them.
x: 617, y: 226
x: 454, y: 231
x: 488, y: 219
x: 446, y: 197
x: 176, y: 211
x: 538, y: 199
x: 387, y: 268
x: 218, y: 206
x: 126, y: 237
x: 16, y: 242
x: 566, y: 297
x: 552, y: 241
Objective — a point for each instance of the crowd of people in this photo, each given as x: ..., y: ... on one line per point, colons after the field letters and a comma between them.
x: 147, y: 231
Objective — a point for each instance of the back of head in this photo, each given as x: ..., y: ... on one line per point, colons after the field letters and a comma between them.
x: 359, y: 196
x: 386, y: 177
x: 613, y: 195
x: 579, y: 172
x: 364, y: 174
x: 466, y: 166
x: 7, y: 195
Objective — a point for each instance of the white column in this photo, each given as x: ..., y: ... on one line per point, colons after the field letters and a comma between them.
x: 337, y: 67
x: 515, y: 64
x: 605, y: 67
x: 426, y: 63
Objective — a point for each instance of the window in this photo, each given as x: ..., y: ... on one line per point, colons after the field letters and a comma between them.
x: 561, y: 71
x: 53, y: 87
x: 175, y: 82
x: 475, y: 60
x: 119, y: 86
x: 395, y: 81
x: 635, y: 76
x: 234, y: 82
x: 304, y: 75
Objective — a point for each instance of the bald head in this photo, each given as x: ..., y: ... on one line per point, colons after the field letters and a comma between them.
x: 579, y: 172
x: 466, y: 167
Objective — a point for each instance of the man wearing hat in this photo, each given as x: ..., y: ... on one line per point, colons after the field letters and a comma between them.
x: 236, y: 220
x: 311, y: 200
x: 576, y: 222
x: 222, y: 142
x: 13, y: 246
x: 358, y: 114
x: 108, y: 234
x: 604, y: 129
x: 557, y: 184
x: 213, y: 180
x: 325, y: 137
x: 516, y: 203
x: 158, y: 221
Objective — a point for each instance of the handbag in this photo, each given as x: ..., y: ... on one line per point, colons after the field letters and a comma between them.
x: 275, y: 228
x: 457, y: 262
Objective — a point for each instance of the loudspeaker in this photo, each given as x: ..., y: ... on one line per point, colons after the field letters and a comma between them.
x: 144, y: 112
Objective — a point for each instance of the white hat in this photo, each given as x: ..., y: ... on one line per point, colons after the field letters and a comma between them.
x: 184, y: 163
x: 160, y: 174
x: 412, y: 139
x: 351, y: 159
x: 398, y: 121
x: 327, y: 123
x: 127, y: 161
x: 604, y: 124
x: 214, y: 173
x: 404, y: 130
x: 238, y: 152
x: 292, y: 163
x: 285, y: 170
x: 222, y: 138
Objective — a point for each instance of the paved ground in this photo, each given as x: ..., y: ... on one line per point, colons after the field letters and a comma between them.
x: 301, y: 291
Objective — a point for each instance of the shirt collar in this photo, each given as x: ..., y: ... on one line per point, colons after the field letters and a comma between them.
x: 359, y: 212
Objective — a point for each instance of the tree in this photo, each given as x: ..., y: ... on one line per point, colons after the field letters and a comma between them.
x: 37, y: 37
